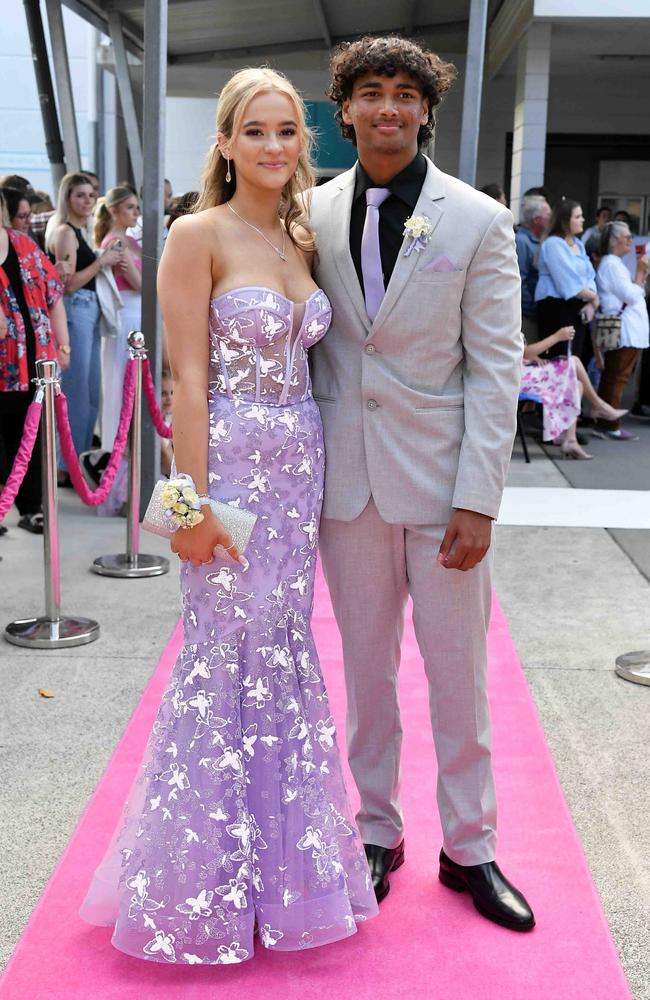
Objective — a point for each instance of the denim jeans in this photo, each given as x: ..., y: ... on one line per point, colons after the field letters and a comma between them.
x: 81, y: 382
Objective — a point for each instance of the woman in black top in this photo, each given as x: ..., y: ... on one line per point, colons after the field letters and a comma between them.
x: 65, y: 241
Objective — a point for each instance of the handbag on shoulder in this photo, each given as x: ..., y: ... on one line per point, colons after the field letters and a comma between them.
x: 607, y: 336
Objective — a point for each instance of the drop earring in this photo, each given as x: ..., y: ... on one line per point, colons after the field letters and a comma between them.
x: 228, y: 175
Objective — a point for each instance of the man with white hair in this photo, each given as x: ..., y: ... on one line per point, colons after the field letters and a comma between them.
x: 535, y: 216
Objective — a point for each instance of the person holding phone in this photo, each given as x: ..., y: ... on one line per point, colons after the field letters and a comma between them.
x: 116, y: 212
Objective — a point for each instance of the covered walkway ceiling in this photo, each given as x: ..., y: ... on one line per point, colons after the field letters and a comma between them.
x: 209, y: 31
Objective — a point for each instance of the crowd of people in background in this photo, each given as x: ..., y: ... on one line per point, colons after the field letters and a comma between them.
x: 584, y: 318
x: 70, y: 291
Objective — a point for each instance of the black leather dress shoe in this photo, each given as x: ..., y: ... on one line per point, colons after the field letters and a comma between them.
x: 494, y: 897
x: 382, y: 861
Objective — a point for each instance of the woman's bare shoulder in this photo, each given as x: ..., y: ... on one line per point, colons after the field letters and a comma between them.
x: 65, y: 231
x: 197, y: 227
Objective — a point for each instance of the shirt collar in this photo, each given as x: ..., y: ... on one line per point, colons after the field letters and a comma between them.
x: 529, y: 233
x: 406, y: 185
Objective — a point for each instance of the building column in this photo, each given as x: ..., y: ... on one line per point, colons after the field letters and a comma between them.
x: 154, y: 94
x: 531, y: 108
x: 46, y: 98
x: 127, y: 99
x: 473, y: 91
x: 63, y: 85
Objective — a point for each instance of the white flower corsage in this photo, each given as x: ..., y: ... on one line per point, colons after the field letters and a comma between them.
x: 419, y: 229
x: 180, y: 503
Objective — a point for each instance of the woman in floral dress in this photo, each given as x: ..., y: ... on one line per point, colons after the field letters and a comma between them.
x: 240, y: 822
x: 560, y: 383
x: 32, y: 328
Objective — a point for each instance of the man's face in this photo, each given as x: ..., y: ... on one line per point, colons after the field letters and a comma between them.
x: 542, y: 219
x: 386, y: 113
x: 169, y: 194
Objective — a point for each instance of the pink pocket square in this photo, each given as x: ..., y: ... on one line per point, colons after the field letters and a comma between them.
x: 441, y: 263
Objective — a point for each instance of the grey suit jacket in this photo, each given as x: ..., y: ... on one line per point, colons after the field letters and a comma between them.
x: 419, y: 407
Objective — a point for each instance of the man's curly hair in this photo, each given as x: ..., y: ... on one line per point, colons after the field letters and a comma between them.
x: 388, y: 56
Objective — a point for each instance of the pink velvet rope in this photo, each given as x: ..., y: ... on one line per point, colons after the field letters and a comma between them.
x: 152, y: 402
x: 21, y: 461
x: 94, y: 497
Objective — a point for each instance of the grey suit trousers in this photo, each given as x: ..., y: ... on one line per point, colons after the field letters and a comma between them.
x: 371, y: 568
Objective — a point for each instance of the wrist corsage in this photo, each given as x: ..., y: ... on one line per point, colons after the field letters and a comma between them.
x: 180, y: 503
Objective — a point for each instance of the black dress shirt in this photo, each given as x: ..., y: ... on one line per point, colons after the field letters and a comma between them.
x: 405, y: 190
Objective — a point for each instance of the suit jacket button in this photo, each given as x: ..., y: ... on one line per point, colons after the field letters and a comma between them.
x: 370, y: 349
x: 372, y: 404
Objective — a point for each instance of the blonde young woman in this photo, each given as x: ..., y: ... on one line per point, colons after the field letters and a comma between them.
x: 66, y: 244
x: 240, y: 821
x: 116, y: 212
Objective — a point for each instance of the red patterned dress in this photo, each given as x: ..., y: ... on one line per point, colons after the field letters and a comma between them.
x: 29, y: 287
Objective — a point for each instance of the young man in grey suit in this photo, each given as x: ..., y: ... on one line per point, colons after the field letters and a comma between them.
x: 417, y: 383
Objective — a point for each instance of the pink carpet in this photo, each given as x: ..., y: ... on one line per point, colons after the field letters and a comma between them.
x: 427, y: 943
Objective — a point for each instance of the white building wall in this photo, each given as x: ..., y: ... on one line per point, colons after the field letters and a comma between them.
x: 22, y: 141
x: 190, y: 130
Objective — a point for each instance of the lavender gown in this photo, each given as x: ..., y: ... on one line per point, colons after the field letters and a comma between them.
x: 239, y: 819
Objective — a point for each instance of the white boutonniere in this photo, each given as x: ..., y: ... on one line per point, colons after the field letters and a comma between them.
x: 419, y: 229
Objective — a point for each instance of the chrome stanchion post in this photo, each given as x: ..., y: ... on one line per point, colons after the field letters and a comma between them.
x: 634, y: 667
x: 133, y: 563
x: 52, y: 631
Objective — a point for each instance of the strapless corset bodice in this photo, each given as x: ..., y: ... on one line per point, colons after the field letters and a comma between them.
x: 259, y: 341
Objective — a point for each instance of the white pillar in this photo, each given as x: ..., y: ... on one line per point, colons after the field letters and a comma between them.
x: 473, y: 91
x: 153, y: 136
x: 531, y: 108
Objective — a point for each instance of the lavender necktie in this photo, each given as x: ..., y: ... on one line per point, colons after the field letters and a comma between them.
x: 371, y: 269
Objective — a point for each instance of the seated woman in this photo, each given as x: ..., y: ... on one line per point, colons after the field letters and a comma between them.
x: 560, y: 384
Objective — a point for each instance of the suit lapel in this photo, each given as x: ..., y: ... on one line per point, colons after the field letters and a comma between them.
x: 340, y: 209
x: 433, y: 192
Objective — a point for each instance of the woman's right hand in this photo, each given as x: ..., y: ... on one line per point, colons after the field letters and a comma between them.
x: 642, y: 266
x: 111, y: 258
x: 564, y: 333
x: 197, y: 544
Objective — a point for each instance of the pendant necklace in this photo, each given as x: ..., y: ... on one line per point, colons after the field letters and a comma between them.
x: 280, y: 252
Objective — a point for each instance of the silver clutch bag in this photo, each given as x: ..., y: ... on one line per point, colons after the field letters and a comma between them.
x: 237, y: 522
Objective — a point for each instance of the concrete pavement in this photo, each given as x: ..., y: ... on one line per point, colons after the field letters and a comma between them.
x: 574, y: 600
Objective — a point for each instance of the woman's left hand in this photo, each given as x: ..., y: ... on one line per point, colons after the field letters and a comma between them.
x: 63, y: 359
x: 4, y: 329
x: 588, y: 312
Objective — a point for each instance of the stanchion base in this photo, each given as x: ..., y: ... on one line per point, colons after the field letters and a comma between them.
x: 634, y: 667
x: 45, y: 633
x: 121, y: 565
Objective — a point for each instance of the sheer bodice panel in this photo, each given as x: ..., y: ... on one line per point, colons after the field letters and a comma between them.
x: 259, y: 341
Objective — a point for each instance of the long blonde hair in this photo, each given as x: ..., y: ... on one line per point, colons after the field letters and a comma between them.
x: 103, y: 218
x: 233, y: 101
x: 68, y: 183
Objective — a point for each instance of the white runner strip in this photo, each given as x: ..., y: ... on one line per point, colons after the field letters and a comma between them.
x: 558, y: 507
